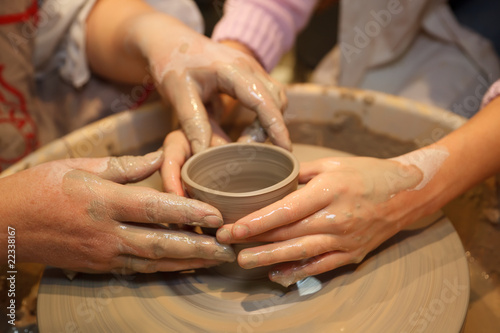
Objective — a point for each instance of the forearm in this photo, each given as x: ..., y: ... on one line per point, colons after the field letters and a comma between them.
x: 121, y: 38
x: 473, y: 155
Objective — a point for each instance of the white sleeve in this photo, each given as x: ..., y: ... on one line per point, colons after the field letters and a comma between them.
x: 60, y: 40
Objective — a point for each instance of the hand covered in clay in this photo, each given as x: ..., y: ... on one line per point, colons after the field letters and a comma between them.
x: 177, y: 150
x: 190, y: 70
x: 347, y: 208
x: 76, y: 214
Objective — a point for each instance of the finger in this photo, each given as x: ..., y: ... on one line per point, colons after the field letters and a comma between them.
x: 290, y: 250
x: 215, y: 107
x: 184, y: 94
x: 146, y: 205
x: 123, y: 169
x: 219, y: 137
x: 294, y: 207
x: 140, y: 265
x: 321, y: 222
x: 309, y: 170
x: 176, y: 151
x: 162, y: 243
x: 253, y: 133
x: 254, y: 95
x: 289, y: 273
x: 276, y: 89
x: 229, y: 106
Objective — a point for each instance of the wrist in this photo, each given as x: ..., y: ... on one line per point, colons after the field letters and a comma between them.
x: 151, y: 34
x: 238, y: 46
x: 434, y: 189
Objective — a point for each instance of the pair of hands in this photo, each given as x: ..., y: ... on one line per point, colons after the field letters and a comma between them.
x: 190, y: 71
x: 81, y: 205
x: 76, y: 214
x: 347, y: 208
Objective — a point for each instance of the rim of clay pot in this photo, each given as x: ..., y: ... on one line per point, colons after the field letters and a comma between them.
x: 193, y: 159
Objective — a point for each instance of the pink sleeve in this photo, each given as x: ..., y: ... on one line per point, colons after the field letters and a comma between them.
x: 267, y: 27
x: 491, y: 94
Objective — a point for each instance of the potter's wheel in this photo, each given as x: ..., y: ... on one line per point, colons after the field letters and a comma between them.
x: 417, y: 281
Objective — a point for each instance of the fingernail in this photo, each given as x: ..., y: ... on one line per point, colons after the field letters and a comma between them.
x: 223, y: 235
x: 225, y: 253
x: 247, y: 260
x: 240, y: 231
x: 212, y: 221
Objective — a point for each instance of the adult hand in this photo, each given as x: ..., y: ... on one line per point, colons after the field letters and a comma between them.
x: 134, y: 43
x: 348, y: 207
x: 191, y: 70
x: 77, y: 215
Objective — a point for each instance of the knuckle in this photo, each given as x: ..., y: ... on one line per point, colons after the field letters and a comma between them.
x: 358, y: 257
x: 158, y: 247
x: 303, y: 251
x: 342, y: 188
x: 151, y: 208
x: 201, y: 250
x: 117, y: 165
x: 325, y: 247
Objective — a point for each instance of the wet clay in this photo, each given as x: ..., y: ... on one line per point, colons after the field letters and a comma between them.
x: 346, y: 132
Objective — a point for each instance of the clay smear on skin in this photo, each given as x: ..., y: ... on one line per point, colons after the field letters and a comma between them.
x: 428, y: 161
x: 115, y: 167
x: 193, y: 55
x: 107, y: 168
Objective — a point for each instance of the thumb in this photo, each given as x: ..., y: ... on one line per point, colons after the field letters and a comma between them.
x: 123, y: 169
x: 309, y: 170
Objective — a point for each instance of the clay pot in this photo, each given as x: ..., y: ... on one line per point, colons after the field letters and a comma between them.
x: 238, y: 179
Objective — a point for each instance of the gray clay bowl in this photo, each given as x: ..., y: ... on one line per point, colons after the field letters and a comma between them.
x: 240, y: 178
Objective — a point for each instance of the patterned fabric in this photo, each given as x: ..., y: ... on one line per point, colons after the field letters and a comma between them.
x: 18, y: 109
